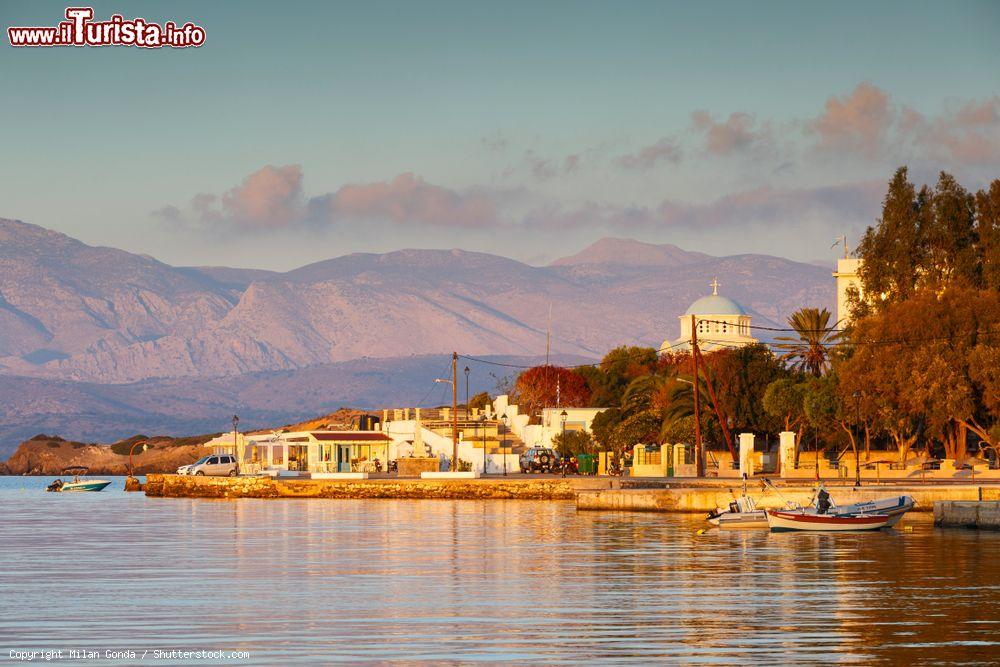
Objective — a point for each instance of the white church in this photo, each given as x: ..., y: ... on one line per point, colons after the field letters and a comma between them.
x: 720, y: 321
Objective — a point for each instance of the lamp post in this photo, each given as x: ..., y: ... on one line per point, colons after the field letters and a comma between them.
x: 145, y: 446
x: 503, y: 444
x: 236, y: 448
x: 482, y: 420
x: 857, y: 438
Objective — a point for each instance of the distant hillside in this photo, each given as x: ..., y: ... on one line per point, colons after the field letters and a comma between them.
x: 97, y: 344
x: 69, y: 311
x: 93, y: 412
x: 632, y: 253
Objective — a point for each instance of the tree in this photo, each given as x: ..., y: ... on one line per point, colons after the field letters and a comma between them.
x: 603, y: 424
x: 988, y: 227
x: 479, y: 401
x: 740, y: 378
x: 619, y: 367
x: 547, y: 386
x: 925, y: 358
x: 572, y: 443
x: 950, y: 237
x: 825, y: 410
x: 931, y: 238
x: 783, y: 399
x: 809, y: 351
x: 640, y: 428
x: 893, y: 250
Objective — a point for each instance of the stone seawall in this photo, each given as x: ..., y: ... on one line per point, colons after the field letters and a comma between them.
x: 984, y: 515
x: 705, y: 499
x: 182, y: 486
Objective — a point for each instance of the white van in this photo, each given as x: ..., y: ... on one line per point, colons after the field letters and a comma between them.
x: 214, y: 464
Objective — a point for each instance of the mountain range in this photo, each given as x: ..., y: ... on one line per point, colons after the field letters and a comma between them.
x: 86, y: 325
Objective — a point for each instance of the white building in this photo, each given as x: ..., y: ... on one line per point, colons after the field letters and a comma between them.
x: 847, y: 277
x: 720, y: 323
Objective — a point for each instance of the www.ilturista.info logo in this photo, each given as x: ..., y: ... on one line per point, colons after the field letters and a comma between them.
x: 80, y: 30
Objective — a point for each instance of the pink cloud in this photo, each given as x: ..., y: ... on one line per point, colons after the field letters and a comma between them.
x: 858, y: 122
x: 738, y: 133
x: 270, y: 197
x: 866, y: 123
x: 406, y: 199
x: 664, y: 150
x: 969, y: 133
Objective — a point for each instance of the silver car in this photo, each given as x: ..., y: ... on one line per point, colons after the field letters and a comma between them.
x: 214, y: 464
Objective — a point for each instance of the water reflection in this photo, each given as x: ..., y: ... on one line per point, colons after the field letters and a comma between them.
x: 292, y: 581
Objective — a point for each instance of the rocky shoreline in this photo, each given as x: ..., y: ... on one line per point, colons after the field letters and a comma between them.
x: 49, y: 455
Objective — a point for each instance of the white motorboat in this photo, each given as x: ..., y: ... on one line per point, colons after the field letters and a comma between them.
x: 741, y: 513
x: 78, y: 483
x: 744, y: 513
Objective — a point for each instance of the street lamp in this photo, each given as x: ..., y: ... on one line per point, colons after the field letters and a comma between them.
x: 562, y: 420
x: 503, y: 444
x: 145, y: 446
x: 236, y: 449
x: 857, y: 438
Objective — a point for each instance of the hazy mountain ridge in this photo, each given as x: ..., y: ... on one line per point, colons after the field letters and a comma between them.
x: 94, y: 412
x: 72, y: 311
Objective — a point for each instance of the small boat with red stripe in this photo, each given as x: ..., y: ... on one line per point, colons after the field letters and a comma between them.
x: 787, y: 520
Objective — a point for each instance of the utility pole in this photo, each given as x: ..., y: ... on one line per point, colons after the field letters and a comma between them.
x: 454, y: 411
x: 698, y: 459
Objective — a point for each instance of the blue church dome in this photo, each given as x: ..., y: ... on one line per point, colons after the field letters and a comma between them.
x: 715, y: 305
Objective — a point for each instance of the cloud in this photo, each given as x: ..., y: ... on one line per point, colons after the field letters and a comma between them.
x: 866, y: 122
x: 664, y: 150
x: 739, y: 133
x: 271, y: 198
x: 968, y: 133
x: 858, y: 122
x: 840, y: 205
x: 405, y: 199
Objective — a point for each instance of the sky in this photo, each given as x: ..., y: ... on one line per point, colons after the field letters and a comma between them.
x: 303, y: 131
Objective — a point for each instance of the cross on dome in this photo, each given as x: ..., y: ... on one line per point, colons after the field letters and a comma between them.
x: 715, y: 286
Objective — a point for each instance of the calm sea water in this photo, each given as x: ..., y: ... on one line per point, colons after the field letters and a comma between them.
x: 290, y: 582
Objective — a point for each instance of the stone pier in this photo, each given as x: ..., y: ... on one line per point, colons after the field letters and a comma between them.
x: 984, y: 515
x: 186, y: 486
x: 705, y: 498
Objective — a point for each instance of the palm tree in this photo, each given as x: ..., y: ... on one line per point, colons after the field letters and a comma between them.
x: 810, y: 351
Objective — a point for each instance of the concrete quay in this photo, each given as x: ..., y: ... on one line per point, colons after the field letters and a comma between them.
x: 704, y: 498
x: 984, y: 515
x: 503, y: 488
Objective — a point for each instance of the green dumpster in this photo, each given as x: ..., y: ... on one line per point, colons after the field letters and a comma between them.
x: 587, y: 464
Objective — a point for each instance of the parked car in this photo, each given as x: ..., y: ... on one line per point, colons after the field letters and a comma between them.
x: 539, y: 459
x: 214, y: 464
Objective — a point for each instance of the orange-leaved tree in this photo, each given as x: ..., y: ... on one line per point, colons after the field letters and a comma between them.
x: 550, y: 386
